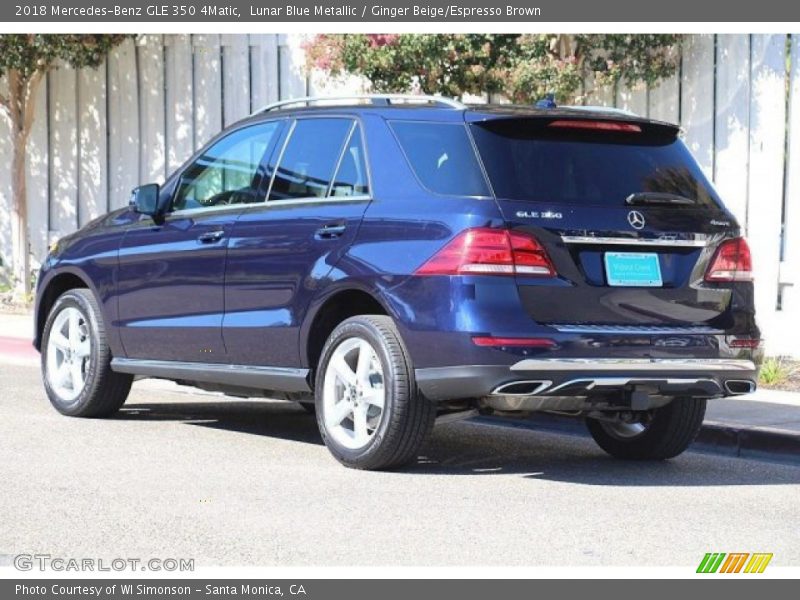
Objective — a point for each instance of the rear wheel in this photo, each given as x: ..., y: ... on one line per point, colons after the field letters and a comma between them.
x: 662, y: 433
x: 76, y: 359
x: 369, y: 412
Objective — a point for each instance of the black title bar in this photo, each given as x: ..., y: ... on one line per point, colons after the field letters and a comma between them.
x: 447, y: 11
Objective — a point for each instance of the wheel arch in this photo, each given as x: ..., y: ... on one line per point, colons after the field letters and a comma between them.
x: 337, y: 306
x: 59, y: 283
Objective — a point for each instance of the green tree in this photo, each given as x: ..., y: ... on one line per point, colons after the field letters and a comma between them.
x: 521, y: 67
x: 24, y: 61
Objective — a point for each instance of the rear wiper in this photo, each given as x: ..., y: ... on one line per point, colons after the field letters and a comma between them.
x: 658, y: 198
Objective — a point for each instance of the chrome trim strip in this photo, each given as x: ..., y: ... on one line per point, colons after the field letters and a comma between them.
x: 624, y: 365
x: 283, y: 379
x: 207, y: 210
x: 635, y: 329
x: 622, y: 241
x: 315, y: 200
x: 593, y: 382
x: 189, y: 212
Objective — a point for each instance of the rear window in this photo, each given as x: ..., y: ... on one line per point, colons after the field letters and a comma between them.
x: 526, y: 160
x: 442, y: 157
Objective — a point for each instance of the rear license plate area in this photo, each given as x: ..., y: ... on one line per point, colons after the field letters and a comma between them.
x: 633, y: 269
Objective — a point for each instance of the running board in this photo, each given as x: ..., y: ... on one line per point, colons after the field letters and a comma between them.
x: 282, y: 379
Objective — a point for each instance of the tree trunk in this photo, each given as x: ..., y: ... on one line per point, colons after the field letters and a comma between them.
x: 19, y: 219
x: 20, y: 105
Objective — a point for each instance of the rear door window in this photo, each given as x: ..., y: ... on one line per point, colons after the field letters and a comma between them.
x: 307, y: 164
x: 442, y: 157
x: 351, y: 175
x: 527, y: 161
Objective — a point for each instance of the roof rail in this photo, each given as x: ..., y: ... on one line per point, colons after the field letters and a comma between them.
x: 377, y: 99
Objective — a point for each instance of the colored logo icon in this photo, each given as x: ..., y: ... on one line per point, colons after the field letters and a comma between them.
x: 735, y: 562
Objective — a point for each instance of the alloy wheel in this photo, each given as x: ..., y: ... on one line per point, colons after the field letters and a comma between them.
x: 69, y: 349
x: 624, y: 431
x: 354, y: 396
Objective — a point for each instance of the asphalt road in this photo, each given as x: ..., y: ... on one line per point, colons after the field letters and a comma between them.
x: 249, y: 483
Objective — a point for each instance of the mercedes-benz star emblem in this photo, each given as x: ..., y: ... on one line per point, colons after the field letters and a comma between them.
x: 636, y: 219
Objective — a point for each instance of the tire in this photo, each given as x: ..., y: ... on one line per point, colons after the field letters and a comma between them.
x: 311, y: 409
x: 399, y: 427
x: 667, y: 434
x: 103, y: 391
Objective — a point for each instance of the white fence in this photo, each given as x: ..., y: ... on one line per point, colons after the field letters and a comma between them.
x: 98, y: 133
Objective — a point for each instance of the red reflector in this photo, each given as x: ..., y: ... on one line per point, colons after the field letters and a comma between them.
x: 597, y: 125
x: 516, y: 342
x: 745, y: 343
x: 731, y: 262
x: 486, y: 251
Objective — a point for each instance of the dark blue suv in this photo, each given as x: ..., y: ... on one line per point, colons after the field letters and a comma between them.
x: 387, y: 261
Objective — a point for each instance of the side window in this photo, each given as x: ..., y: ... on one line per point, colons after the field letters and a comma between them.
x: 442, y: 157
x: 351, y: 177
x: 309, y: 158
x: 227, y: 172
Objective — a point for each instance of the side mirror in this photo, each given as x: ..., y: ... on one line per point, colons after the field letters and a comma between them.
x: 144, y: 199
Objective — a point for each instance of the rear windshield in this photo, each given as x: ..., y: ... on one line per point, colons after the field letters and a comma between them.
x: 526, y: 160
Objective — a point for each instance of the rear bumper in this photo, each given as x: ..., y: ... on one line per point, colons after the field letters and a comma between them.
x: 702, y: 378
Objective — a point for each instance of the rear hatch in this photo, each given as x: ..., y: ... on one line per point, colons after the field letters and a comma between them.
x: 625, y: 213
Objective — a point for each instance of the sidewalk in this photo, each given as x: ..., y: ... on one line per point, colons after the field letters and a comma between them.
x: 16, y: 340
x: 765, y: 424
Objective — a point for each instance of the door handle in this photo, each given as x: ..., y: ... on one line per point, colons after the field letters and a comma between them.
x: 330, y: 231
x: 211, y: 237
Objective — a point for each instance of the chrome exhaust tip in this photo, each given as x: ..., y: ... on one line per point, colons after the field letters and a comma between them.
x: 522, y: 388
x: 737, y: 387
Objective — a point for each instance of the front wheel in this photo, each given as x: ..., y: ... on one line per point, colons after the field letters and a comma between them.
x: 662, y: 433
x: 368, y: 409
x: 76, y: 359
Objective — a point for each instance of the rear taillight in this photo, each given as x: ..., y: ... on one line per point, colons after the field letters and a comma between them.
x: 484, y: 251
x: 731, y: 262
x: 744, y: 343
x: 596, y: 125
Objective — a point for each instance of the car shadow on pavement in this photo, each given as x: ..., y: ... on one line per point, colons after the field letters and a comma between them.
x: 282, y: 420
x: 475, y: 448
x: 471, y: 448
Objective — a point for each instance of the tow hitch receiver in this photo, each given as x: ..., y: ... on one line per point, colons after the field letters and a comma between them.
x: 639, y: 399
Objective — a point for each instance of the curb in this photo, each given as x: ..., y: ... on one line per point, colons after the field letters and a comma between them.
x: 758, y: 443
x: 761, y: 443
x: 18, y: 351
